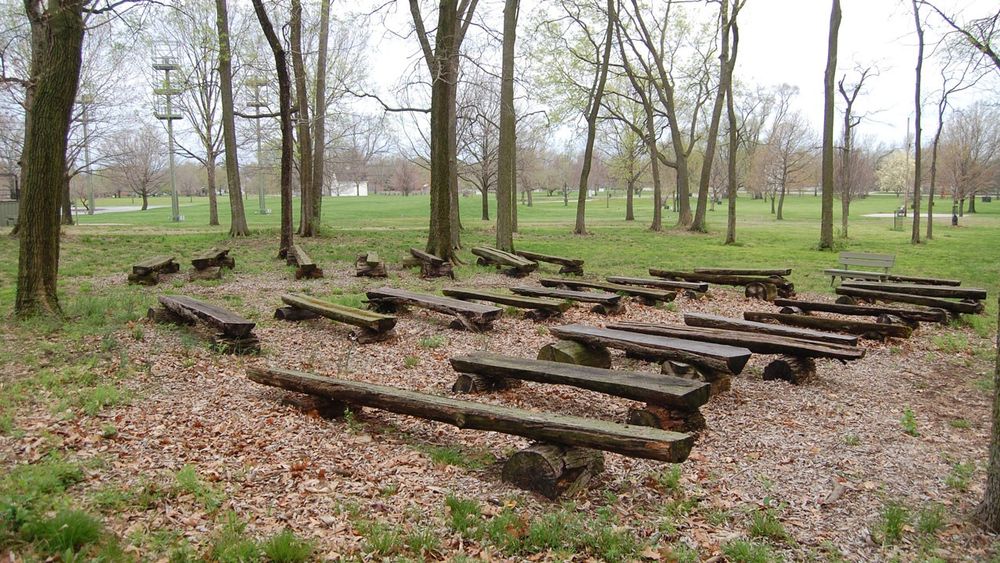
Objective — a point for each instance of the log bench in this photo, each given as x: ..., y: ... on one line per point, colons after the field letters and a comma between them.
x: 953, y: 307
x: 305, y: 265
x: 558, y: 463
x: 568, y: 265
x: 926, y: 290
x: 690, y: 288
x: 148, y: 271
x: 755, y: 286
x: 604, y: 303
x: 646, y: 295
x: 714, y: 362
x: 432, y: 266
x: 510, y: 264
x: 727, y: 323
x: 538, y: 307
x: 213, y: 258
x: 790, y: 306
x: 235, y: 332
x: 869, y: 330
x: 763, y: 272
x: 368, y: 264
x: 472, y: 316
x: 671, y: 402
x: 374, y: 327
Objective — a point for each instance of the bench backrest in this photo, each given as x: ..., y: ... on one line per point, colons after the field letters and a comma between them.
x: 868, y: 260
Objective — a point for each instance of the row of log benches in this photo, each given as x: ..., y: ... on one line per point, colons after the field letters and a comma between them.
x: 207, y: 264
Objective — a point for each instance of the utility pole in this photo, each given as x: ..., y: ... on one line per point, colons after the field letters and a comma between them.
x: 86, y: 101
x: 906, y: 186
x: 166, y: 62
x: 258, y: 82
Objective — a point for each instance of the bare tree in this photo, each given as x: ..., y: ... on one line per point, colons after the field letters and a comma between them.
x: 362, y: 139
x: 848, y: 182
x: 478, y: 135
x: 139, y: 161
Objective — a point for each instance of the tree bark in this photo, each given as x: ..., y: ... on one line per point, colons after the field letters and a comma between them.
x: 988, y: 511
x: 443, y: 72
x: 506, y: 172
x: 306, y: 186
x: 213, y: 202
x: 915, y: 233
x: 57, y: 43
x: 629, y: 195
x: 238, y: 226
x: 826, y: 218
x: 731, y: 184
x: 66, y: 217
x: 319, y: 137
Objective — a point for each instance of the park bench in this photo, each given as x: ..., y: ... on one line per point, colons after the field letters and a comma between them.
x: 538, y: 308
x: 792, y: 306
x: 305, y: 265
x: 865, y: 260
x: 757, y: 283
x: 368, y: 264
x: 569, y: 265
x: 646, y: 295
x: 561, y: 460
x: 688, y: 287
x: 869, y: 330
x: 472, y: 316
x: 604, y: 303
x: 854, y: 293
x: 374, y: 327
x: 671, y: 402
x: 727, y: 323
x: 432, y: 266
x: 148, y: 271
x: 235, y: 334
x: 511, y: 264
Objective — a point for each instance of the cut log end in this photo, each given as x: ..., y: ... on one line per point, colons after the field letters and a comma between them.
x: 762, y: 291
x: 676, y: 420
x: 322, y: 407
x: 791, y: 311
x: 365, y: 336
x: 569, y: 352
x: 163, y: 315
x: 240, y: 346
x: 474, y: 383
x: 793, y: 369
x: 293, y: 314
x: 310, y: 273
x: 609, y: 309
x: 717, y: 381
x: 210, y: 273
x: 553, y: 470
x: 846, y: 300
x: 572, y: 270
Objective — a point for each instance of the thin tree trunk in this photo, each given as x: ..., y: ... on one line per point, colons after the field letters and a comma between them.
x: 915, y: 233
x: 781, y: 201
x: 285, y: 111
x: 67, y: 202
x: 238, y: 226
x: 629, y: 192
x: 972, y: 203
x: 57, y: 43
x: 826, y: 216
x: 213, y: 202
x: 319, y: 138
x: 988, y: 511
x: 145, y: 200
x: 507, y: 160
x: 306, y: 186
x: 486, y: 204
x: 731, y: 184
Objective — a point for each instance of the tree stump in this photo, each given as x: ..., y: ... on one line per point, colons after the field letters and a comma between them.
x: 677, y: 420
x: 717, y: 381
x: 211, y: 273
x: 846, y: 300
x: 474, y: 383
x: 786, y: 290
x: 761, y: 290
x: 569, y: 352
x: 242, y: 345
x: 151, y: 278
x: 553, y: 470
x: 793, y: 369
x: 293, y: 314
x: 428, y: 270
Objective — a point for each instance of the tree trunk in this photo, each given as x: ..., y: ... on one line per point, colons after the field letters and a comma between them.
x: 145, y: 200
x: 444, y: 73
x: 781, y: 201
x: 972, y: 203
x: 486, y: 203
x: 319, y: 138
x: 595, y: 108
x: 732, y: 185
x: 629, y: 195
x: 988, y: 511
x: 453, y: 209
x: 915, y: 233
x: 507, y: 160
x: 57, y: 43
x: 826, y: 218
x: 285, y: 110
x: 238, y: 226
x: 302, y: 124
x: 213, y: 202
x: 67, y: 202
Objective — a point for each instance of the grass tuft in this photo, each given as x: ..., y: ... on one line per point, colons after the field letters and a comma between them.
x: 285, y: 547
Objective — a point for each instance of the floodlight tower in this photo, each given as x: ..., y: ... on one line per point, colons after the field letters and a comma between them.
x: 258, y: 82
x: 165, y: 61
x: 86, y: 101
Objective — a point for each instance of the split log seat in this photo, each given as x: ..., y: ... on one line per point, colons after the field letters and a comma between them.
x: 923, y: 280
x: 953, y: 307
x: 558, y: 463
x: 700, y: 287
x: 727, y: 323
x: 568, y: 265
x: 305, y: 265
x: 872, y: 331
x: 766, y: 272
x: 368, y: 264
x: 472, y: 316
x: 432, y: 266
x: 235, y: 332
x: 913, y: 315
x: 511, y: 264
x: 538, y: 307
x: 148, y: 271
x: 649, y: 296
x: 374, y: 326
x: 213, y: 258
x: 604, y: 303
x: 671, y: 402
x: 782, y: 287
x: 947, y: 292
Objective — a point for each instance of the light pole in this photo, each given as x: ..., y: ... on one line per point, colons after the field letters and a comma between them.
x: 86, y: 101
x: 166, y: 62
x: 258, y: 82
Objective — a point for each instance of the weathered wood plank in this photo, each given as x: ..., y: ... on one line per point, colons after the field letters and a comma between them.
x: 924, y: 290
x: 785, y: 287
x: 477, y: 313
x: 213, y: 257
x: 599, y: 297
x: 862, y: 328
x: 230, y: 323
x: 766, y: 272
x: 700, y: 287
x: 498, y: 257
x: 569, y: 265
x: 368, y: 264
x: 645, y: 293
x: 953, y: 306
x: 349, y: 315
x: 923, y: 280
x: 519, y: 301
x: 719, y: 357
x: 306, y: 266
x: 727, y: 323
x: 926, y: 315
x: 163, y: 263
x: 634, y: 441
x: 426, y: 257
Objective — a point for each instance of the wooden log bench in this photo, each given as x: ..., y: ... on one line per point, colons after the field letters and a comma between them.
x: 604, y: 303
x: 568, y: 265
x: 763, y: 272
x: 714, y: 362
x: 374, y: 327
x: 472, y: 316
x: 953, y: 307
x: 213, y: 258
x: 727, y: 323
x: 235, y: 334
x: 368, y: 264
x: 922, y: 280
x: 432, y: 266
x: 509, y: 263
x: 305, y: 265
x: 869, y: 330
x: 759, y: 287
x: 538, y: 307
x: 646, y: 295
x: 561, y: 461
x: 791, y: 306
x: 947, y: 292
x: 865, y: 260
x: 691, y: 289
x: 148, y: 271
x: 672, y: 403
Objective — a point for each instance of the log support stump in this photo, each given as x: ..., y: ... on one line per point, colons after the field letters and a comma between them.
x: 791, y: 311
x: 461, y: 322
x: 365, y: 336
x: 846, y: 300
x: 718, y: 382
x: 152, y: 278
x: 761, y: 290
x: 293, y: 314
x: 322, y: 407
x: 608, y: 309
x: 428, y: 270
x: 540, y: 314
x: 242, y: 345
x: 889, y: 319
x: 695, y: 295
x: 665, y: 418
x: 786, y: 290
x: 793, y: 369
x: 475, y: 383
x: 569, y: 352
x: 163, y: 315
x: 572, y: 270
x: 210, y: 273
x: 553, y: 470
